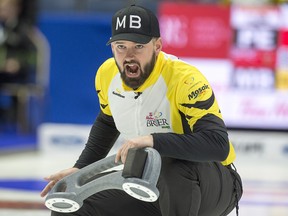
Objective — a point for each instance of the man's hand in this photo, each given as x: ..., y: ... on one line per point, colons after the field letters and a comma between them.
x: 53, y: 179
x: 138, y: 142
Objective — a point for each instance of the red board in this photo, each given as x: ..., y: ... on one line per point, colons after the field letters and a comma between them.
x: 195, y: 30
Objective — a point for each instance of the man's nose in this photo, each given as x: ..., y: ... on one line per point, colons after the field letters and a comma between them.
x: 130, y: 53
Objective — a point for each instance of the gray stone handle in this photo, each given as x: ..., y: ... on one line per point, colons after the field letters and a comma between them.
x: 68, y: 194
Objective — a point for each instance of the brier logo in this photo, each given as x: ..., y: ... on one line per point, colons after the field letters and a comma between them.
x: 156, y: 120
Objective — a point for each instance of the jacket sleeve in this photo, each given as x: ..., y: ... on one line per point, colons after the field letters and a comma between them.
x: 208, y: 144
x: 204, y: 136
x: 102, y: 137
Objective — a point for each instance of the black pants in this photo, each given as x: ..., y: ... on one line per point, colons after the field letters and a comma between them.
x: 186, y: 189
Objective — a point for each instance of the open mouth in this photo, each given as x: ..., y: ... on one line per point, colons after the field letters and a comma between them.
x: 132, y: 70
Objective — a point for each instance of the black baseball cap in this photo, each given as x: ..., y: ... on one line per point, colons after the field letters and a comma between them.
x: 134, y: 23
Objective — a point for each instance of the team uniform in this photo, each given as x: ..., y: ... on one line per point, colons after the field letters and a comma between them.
x: 177, y: 106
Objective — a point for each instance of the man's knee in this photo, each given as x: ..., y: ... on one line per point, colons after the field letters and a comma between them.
x: 174, y: 168
x: 179, y: 188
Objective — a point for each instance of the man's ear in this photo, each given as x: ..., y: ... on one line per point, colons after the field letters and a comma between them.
x: 112, y: 48
x: 158, y: 45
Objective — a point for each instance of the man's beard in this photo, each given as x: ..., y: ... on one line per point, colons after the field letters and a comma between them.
x: 135, y: 83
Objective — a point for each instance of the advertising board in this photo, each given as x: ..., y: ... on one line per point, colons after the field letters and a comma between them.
x: 243, y: 52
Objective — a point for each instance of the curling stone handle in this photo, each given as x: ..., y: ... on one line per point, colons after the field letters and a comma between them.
x: 68, y: 194
x: 84, y: 175
x: 145, y: 188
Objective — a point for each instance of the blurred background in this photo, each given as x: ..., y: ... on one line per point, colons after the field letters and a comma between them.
x: 51, y: 50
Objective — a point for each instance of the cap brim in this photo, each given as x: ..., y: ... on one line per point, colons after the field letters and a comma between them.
x: 137, y: 38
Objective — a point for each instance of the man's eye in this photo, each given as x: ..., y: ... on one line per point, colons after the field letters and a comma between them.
x: 139, y: 46
x: 121, y: 47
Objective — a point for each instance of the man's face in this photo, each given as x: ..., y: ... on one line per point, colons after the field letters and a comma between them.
x: 135, y: 61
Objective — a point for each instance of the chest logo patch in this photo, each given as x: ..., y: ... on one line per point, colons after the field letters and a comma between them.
x: 118, y: 93
x: 155, y: 119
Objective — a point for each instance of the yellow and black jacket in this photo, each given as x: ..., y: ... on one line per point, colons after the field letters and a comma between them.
x: 176, y: 105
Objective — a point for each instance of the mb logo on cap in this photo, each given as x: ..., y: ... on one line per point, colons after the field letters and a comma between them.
x: 134, y: 23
